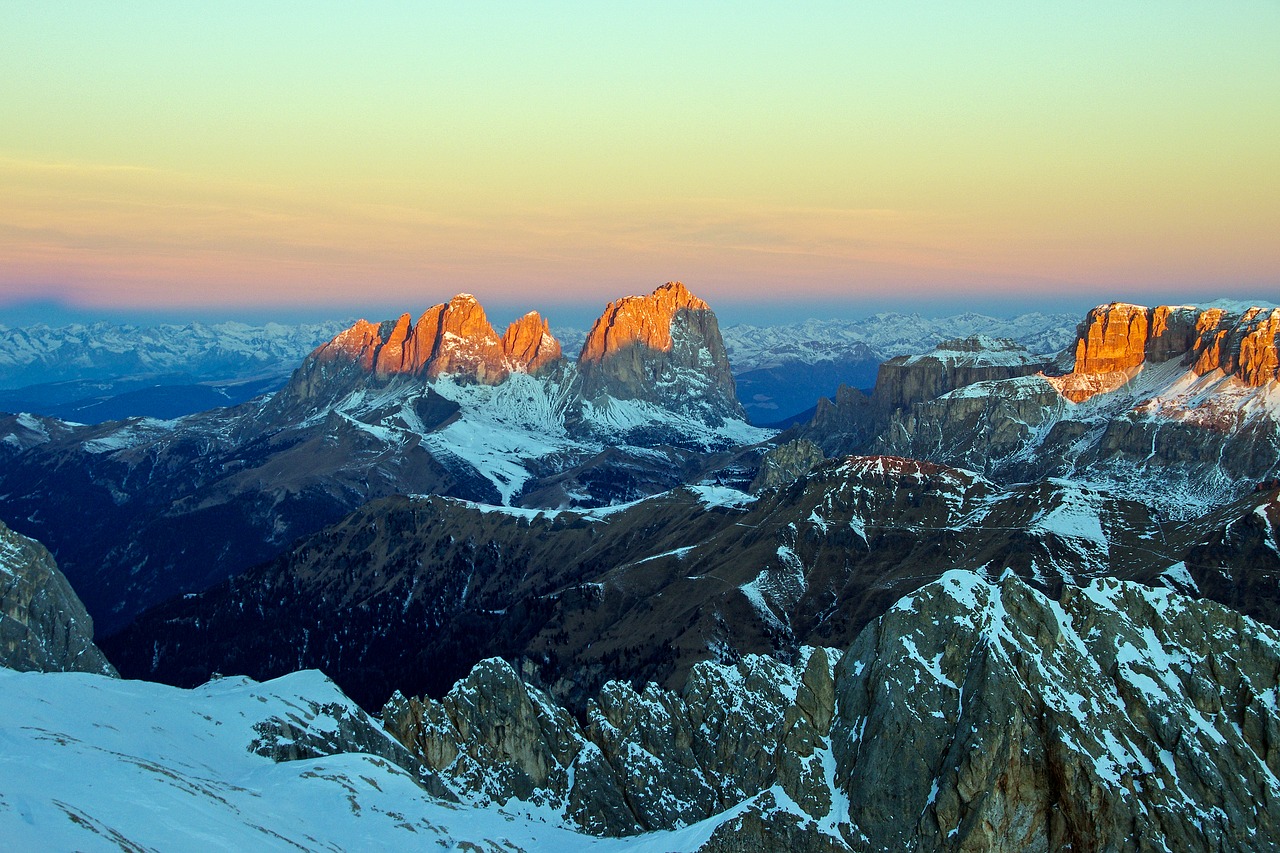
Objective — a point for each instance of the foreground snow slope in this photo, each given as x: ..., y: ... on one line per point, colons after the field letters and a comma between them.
x: 93, y: 763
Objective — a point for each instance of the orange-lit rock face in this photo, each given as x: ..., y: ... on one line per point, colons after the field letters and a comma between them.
x: 644, y: 320
x: 1112, y: 338
x: 663, y: 348
x: 1244, y: 346
x: 1258, y: 362
x: 529, y: 341
x: 452, y: 339
x: 1118, y: 337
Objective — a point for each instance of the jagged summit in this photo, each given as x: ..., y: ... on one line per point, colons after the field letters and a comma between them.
x: 644, y: 356
x: 450, y: 339
x: 664, y: 348
x: 644, y: 320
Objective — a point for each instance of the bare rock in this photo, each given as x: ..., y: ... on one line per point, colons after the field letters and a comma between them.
x: 452, y: 339
x: 905, y: 380
x: 43, y: 625
x: 786, y: 462
x: 529, y: 342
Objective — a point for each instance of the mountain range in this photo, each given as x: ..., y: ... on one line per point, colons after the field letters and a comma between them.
x: 1026, y: 598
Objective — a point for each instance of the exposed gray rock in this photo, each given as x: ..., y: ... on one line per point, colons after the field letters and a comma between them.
x: 990, y: 717
x: 972, y: 716
x: 786, y: 462
x: 43, y: 625
x: 910, y: 379
x: 650, y: 759
x: 315, y: 729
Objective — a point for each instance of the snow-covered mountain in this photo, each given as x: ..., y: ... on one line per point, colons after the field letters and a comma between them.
x: 139, y: 510
x: 887, y: 335
x: 92, y: 763
x: 40, y: 353
x: 991, y: 716
x: 106, y: 371
x: 783, y: 370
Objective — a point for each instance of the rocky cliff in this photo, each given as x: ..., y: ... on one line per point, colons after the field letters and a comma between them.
x: 43, y: 625
x: 851, y: 422
x: 1119, y: 337
x: 972, y: 716
x: 664, y: 348
x: 643, y: 760
x: 953, y: 364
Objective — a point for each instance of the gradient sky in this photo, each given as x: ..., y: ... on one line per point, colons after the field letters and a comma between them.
x: 230, y: 156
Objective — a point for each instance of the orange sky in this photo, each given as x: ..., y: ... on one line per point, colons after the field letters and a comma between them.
x: 164, y: 156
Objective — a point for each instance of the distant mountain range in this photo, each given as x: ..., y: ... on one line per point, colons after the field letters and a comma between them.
x: 90, y: 373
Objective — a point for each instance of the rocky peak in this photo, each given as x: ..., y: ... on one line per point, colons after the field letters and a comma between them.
x: 529, y: 341
x: 1243, y: 346
x: 450, y: 339
x: 1120, y: 336
x: 644, y: 320
x: 663, y: 348
x: 973, y: 715
x: 643, y: 760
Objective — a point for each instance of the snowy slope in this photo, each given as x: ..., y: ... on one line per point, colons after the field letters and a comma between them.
x: 42, y: 353
x: 91, y: 763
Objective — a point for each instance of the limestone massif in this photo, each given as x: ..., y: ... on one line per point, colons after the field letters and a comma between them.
x: 664, y: 348
x: 453, y: 339
x: 1173, y: 404
x: 952, y: 364
x: 1118, y: 337
x: 661, y: 348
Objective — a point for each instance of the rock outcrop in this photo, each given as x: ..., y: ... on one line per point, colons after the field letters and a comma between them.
x: 664, y: 348
x: 644, y: 760
x: 528, y: 341
x: 972, y: 716
x: 1114, y: 718
x: 852, y: 421
x: 784, y: 463
x: 43, y: 625
x: 321, y: 721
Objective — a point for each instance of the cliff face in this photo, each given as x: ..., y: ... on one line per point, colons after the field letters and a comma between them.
x: 905, y: 380
x: 529, y: 341
x: 1118, y: 337
x: 43, y: 625
x: 664, y: 348
x: 644, y: 760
